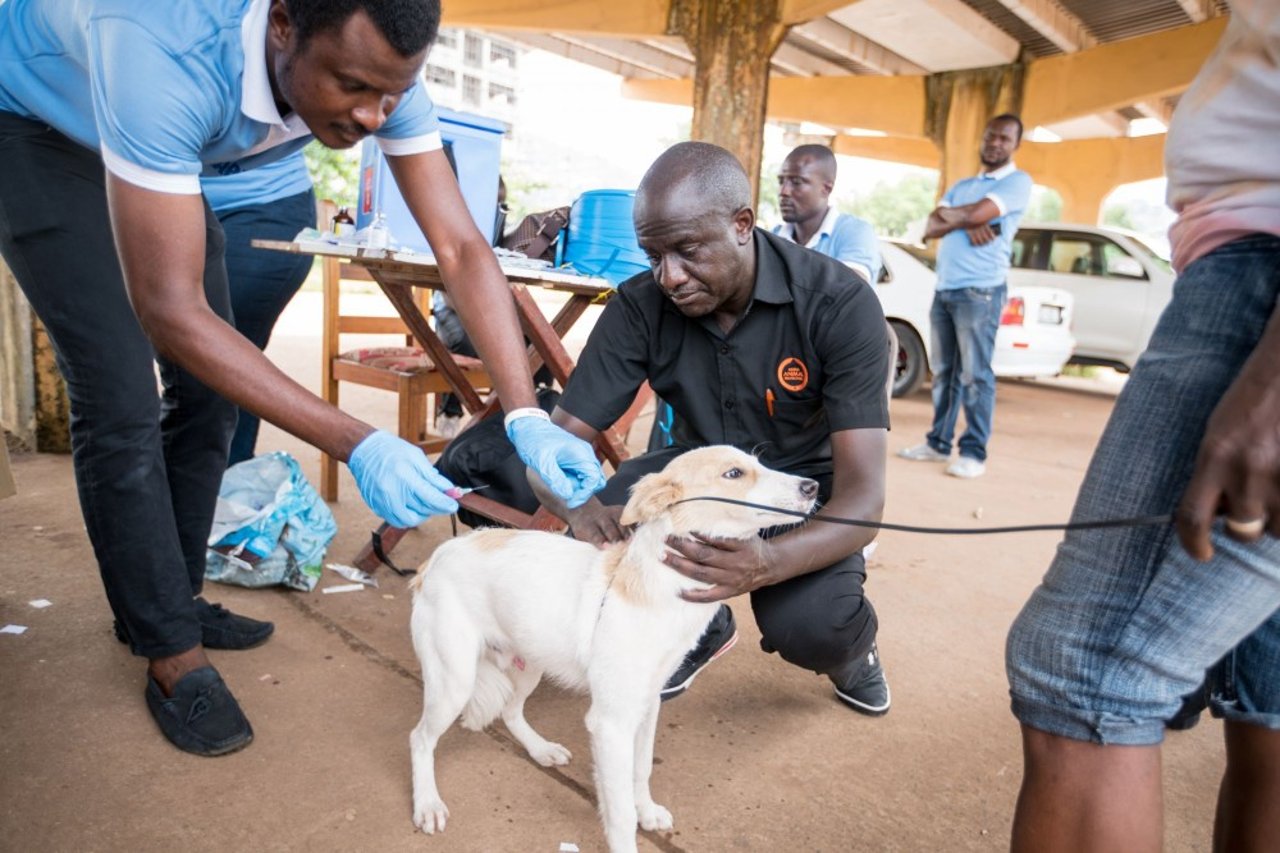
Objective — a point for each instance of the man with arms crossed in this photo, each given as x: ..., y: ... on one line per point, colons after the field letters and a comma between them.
x: 126, y: 266
x: 976, y: 220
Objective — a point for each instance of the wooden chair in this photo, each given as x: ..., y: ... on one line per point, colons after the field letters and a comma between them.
x: 401, y: 369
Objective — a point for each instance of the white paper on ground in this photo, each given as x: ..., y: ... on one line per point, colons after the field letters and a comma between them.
x: 13, y: 629
x: 40, y: 603
x: 343, y: 587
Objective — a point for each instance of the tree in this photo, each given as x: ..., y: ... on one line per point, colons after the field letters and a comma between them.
x: 1045, y: 205
x: 336, y: 174
x: 891, y: 208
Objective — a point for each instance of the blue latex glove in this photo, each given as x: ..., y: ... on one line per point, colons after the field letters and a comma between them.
x: 397, y: 480
x: 566, y: 463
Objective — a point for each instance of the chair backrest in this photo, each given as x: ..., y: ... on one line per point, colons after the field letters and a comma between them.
x: 336, y: 321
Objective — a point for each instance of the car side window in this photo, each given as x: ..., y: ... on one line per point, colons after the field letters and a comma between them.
x: 1026, y: 252
x: 1117, y: 263
x: 1076, y: 254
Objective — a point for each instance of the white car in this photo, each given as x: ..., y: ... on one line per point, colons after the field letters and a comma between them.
x: 1120, y: 284
x: 1034, y: 338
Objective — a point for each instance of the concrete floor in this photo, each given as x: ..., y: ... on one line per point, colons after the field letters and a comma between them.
x: 756, y: 757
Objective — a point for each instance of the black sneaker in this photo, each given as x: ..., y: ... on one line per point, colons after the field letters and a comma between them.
x: 220, y: 628
x: 720, y: 635
x: 863, y: 687
x: 201, y: 717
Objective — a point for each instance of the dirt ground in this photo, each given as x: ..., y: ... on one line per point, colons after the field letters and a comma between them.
x: 757, y: 756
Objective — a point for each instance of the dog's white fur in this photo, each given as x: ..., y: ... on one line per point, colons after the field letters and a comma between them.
x: 497, y: 610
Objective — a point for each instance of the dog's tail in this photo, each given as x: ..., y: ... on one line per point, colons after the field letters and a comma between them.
x: 493, y: 689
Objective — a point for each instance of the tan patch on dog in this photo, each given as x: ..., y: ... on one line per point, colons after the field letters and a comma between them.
x: 626, y: 580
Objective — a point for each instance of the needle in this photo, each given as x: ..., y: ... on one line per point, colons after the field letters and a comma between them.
x: 457, y: 492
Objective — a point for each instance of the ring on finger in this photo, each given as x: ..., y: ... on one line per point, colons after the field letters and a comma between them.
x: 1246, y: 527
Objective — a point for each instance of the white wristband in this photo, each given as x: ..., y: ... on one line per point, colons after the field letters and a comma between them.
x: 531, y: 412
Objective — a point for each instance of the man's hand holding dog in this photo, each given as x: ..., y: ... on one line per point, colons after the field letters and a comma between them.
x: 731, y: 566
x: 597, y: 523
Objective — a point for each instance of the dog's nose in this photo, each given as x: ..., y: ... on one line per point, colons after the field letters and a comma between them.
x: 809, y: 488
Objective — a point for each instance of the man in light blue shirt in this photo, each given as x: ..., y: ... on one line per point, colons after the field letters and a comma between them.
x: 804, y: 192
x: 976, y: 220
x: 124, y: 265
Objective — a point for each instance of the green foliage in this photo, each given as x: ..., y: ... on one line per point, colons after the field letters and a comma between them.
x: 891, y: 208
x: 767, y: 205
x: 1045, y: 205
x: 336, y: 174
x: 1118, y: 216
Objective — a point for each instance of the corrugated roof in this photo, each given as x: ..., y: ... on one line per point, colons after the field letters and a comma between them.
x: 1112, y: 20
x: 1031, y: 40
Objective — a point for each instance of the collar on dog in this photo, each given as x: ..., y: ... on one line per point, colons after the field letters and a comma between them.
x: 1137, y: 521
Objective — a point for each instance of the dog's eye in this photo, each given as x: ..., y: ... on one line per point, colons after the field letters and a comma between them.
x: 733, y: 473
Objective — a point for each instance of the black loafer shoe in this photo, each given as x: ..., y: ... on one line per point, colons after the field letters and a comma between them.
x: 865, y: 690
x: 220, y: 628
x: 202, y: 717
x: 720, y: 635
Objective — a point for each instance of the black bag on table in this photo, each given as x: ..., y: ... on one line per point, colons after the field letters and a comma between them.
x: 483, y: 456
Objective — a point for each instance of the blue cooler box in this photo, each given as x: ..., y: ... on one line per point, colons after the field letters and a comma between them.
x: 601, y: 238
x: 474, y: 146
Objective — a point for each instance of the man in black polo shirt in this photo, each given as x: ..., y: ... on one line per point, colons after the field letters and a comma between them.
x: 780, y: 351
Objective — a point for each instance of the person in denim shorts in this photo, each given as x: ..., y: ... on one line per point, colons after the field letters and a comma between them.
x: 1133, y: 629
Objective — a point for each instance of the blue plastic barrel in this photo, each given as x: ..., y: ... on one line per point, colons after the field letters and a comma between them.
x: 602, y: 237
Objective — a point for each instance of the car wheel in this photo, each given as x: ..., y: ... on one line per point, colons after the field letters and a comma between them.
x: 912, y: 364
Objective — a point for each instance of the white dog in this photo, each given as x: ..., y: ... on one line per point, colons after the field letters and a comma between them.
x: 497, y: 610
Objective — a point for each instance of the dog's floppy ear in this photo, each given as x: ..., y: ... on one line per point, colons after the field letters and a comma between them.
x: 650, y: 497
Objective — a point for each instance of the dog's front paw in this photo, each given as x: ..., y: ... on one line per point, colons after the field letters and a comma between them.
x: 550, y: 755
x: 653, y: 816
x: 430, y: 815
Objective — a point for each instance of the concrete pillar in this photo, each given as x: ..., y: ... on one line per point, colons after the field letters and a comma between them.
x: 732, y: 43
x: 53, y: 409
x: 958, y: 105
x: 17, y: 390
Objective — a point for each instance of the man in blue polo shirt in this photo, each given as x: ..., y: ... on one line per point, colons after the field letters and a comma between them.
x: 804, y: 193
x: 976, y: 220
x: 124, y: 265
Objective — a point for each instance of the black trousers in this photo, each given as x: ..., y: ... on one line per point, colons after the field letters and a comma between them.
x: 819, y: 621
x: 148, y: 462
x: 262, y: 282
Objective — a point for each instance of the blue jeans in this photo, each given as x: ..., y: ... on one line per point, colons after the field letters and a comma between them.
x: 1125, y: 623
x: 262, y: 281
x: 964, y: 323
x: 147, y: 465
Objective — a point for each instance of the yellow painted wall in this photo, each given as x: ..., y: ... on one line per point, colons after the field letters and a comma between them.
x: 635, y: 18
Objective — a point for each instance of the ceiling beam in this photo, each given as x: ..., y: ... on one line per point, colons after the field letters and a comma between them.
x: 940, y: 35
x: 807, y: 64
x: 628, y: 18
x: 580, y: 53
x: 1115, y: 75
x: 893, y: 105
x: 1199, y: 10
x: 862, y: 50
x: 658, y: 61
x: 1053, y: 22
x: 799, y: 11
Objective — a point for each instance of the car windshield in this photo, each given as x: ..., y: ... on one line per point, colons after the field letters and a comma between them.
x: 1152, y: 254
x: 920, y: 253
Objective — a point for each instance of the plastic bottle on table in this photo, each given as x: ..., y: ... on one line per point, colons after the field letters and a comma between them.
x: 378, y: 236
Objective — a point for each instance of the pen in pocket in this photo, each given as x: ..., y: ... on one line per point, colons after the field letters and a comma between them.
x: 768, y: 401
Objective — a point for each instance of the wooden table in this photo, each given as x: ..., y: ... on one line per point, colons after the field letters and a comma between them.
x: 397, y: 273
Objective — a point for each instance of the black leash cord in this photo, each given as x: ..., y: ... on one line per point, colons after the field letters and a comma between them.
x: 1139, y: 521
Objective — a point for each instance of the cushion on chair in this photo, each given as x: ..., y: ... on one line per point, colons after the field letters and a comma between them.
x: 402, y: 359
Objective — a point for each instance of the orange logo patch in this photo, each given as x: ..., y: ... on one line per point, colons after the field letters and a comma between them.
x: 792, y: 374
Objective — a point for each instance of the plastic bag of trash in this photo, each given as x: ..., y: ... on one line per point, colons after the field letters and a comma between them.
x: 270, y: 526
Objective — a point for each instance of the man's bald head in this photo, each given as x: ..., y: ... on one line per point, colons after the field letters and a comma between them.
x: 820, y: 156
x: 706, y: 174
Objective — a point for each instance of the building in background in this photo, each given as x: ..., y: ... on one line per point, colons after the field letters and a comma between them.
x: 475, y: 72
